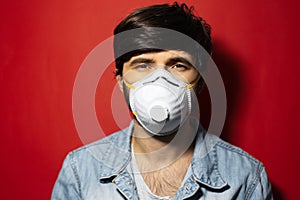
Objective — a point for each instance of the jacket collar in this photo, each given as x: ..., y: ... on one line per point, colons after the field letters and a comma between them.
x: 117, y: 155
x: 204, y: 163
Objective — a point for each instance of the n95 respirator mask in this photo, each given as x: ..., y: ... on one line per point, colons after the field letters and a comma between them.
x: 160, y: 102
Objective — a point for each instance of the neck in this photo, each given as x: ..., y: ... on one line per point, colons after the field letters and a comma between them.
x: 159, y: 151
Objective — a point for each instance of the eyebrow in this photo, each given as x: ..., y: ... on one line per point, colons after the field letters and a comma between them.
x: 170, y: 61
x: 141, y: 60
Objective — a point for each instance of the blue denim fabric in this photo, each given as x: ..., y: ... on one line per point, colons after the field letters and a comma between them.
x: 223, y: 171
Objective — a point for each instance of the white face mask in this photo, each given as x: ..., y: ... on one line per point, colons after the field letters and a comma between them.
x: 160, y: 102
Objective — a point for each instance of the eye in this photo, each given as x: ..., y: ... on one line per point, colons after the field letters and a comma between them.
x: 142, y: 67
x: 180, y: 67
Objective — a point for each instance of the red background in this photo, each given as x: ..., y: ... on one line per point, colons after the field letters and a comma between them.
x: 43, y: 44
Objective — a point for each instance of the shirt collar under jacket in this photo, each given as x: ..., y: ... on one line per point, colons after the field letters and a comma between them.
x: 204, y: 165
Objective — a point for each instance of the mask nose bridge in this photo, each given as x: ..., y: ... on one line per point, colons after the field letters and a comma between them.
x: 162, y: 75
x: 168, y: 74
x: 163, y: 78
x: 158, y: 74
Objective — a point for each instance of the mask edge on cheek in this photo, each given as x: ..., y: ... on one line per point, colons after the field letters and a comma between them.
x: 126, y: 93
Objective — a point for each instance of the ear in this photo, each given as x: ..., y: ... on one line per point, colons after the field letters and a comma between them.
x: 120, y: 82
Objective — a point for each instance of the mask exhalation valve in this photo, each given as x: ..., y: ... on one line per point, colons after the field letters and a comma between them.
x: 159, y: 113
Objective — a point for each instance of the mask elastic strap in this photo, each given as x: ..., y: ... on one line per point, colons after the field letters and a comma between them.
x: 192, y: 84
x: 134, y: 113
x: 130, y: 86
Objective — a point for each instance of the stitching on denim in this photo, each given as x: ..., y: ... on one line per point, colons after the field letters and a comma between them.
x: 96, y: 143
x: 73, y: 166
x: 216, y: 162
x: 254, y: 183
x: 237, y: 150
x: 105, y: 155
x: 216, y: 165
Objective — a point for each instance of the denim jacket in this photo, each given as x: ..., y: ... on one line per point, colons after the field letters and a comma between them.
x: 99, y: 171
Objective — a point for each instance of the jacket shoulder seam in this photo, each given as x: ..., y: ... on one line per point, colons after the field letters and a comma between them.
x: 237, y: 150
x: 96, y: 143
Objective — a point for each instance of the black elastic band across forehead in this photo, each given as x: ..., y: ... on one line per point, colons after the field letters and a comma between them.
x: 154, y: 39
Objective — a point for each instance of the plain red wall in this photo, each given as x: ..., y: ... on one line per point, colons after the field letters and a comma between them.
x: 43, y: 44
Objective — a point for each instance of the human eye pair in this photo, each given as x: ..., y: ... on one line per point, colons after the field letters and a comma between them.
x: 177, y: 67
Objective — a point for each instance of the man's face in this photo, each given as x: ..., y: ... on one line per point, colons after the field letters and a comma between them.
x: 178, y: 63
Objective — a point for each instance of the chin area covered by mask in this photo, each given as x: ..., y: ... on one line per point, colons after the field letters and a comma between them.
x: 160, y: 102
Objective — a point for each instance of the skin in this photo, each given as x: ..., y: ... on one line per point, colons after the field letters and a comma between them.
x: 179, y: 63
x: 166, y: 180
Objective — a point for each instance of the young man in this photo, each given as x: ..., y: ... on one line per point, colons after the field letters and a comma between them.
x: 164, y: 153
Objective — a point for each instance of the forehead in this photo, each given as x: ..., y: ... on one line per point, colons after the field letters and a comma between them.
x: 164, y: 56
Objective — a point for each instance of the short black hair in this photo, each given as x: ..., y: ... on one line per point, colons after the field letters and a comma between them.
x: 177, y: 17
